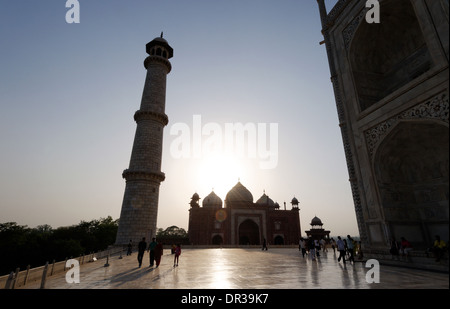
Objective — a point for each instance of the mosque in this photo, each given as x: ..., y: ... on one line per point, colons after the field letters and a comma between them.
x: 242, y: 221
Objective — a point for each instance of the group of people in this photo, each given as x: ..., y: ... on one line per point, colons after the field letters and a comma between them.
x: 312, y: 247
x: 402, y: 247
x: 347, y: 248
x: 438, y: 248
x: 156, y: 252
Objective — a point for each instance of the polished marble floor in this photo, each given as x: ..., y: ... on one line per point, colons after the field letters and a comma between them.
x: 240, y: 268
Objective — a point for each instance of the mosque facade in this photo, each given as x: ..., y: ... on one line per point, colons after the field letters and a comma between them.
x: 240, y: 221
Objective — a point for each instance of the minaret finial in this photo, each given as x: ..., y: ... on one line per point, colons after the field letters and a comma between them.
x: 162, y: 33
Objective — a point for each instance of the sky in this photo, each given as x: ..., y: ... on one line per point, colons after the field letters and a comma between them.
x: 68, y: 93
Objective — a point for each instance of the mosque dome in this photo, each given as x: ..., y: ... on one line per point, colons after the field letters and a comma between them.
x: 239, y: 194
x: 212, y: 201
x: 195, y: 197
x: 265, y: 200
x: 316, y: 221
x: 194, y: 201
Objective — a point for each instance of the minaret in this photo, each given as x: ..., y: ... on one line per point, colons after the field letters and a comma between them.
x: 143, y: 177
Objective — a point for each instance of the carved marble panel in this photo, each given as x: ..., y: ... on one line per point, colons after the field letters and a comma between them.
x: 435, y: 108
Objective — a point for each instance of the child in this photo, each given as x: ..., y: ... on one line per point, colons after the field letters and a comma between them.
x: 177, y: 255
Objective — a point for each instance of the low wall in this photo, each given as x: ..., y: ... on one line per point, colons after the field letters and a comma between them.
x: 22, y: 278
x: 415, y: 259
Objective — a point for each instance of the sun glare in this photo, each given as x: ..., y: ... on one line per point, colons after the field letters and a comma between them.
x: 218, y: 173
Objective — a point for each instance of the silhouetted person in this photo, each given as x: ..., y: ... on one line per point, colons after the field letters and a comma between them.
x: 130, y: 247
x: 317, y: 246
x: 302, y: 245
x: 395, y: 247
x: 350, y: 248
x: 312, y: 249
x: 333, y: 245
x: 177, y: 255
x: 341, y: 248
x: 264, y: 247
x: 151, y: 248
x: 158, y: 252
x: 439, y: 248
x: 323, y: 244
x: 141, y: 249
x: 360, y: 251
x: 405, y: 246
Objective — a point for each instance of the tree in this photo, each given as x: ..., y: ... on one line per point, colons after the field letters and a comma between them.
x: 172, y: 231
x: 173, y: 234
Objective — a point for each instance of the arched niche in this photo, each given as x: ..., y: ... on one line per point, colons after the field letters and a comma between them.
x: 217, y: 240
x: 411, y: 167
x: 386, y: 56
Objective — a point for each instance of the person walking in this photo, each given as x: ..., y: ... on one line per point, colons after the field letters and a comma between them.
x: 151, y: 248
x: 141, y: 249
x: 350, y: 247
x: 333, y: 245
x: 341, y: 248
x: 177, y: 255
x: 158, y: 253
x: 312, y: 249
x: 302, y: 245
x: 360, y: 251
x: 323, y: 244
x: 317, y: 246
x: 129, y: 247
x: 264, y: 247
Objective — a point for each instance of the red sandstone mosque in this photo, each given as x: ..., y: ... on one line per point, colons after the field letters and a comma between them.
x: 242, y: 221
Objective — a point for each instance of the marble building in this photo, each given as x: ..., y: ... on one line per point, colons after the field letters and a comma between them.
x: 391, y: 85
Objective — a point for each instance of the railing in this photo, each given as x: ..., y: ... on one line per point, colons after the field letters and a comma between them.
x: 22, y: 278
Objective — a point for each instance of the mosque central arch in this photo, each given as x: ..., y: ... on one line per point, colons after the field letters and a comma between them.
x: 249, y: 233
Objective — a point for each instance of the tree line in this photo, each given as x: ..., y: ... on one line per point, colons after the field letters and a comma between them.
x: 21, y: 245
